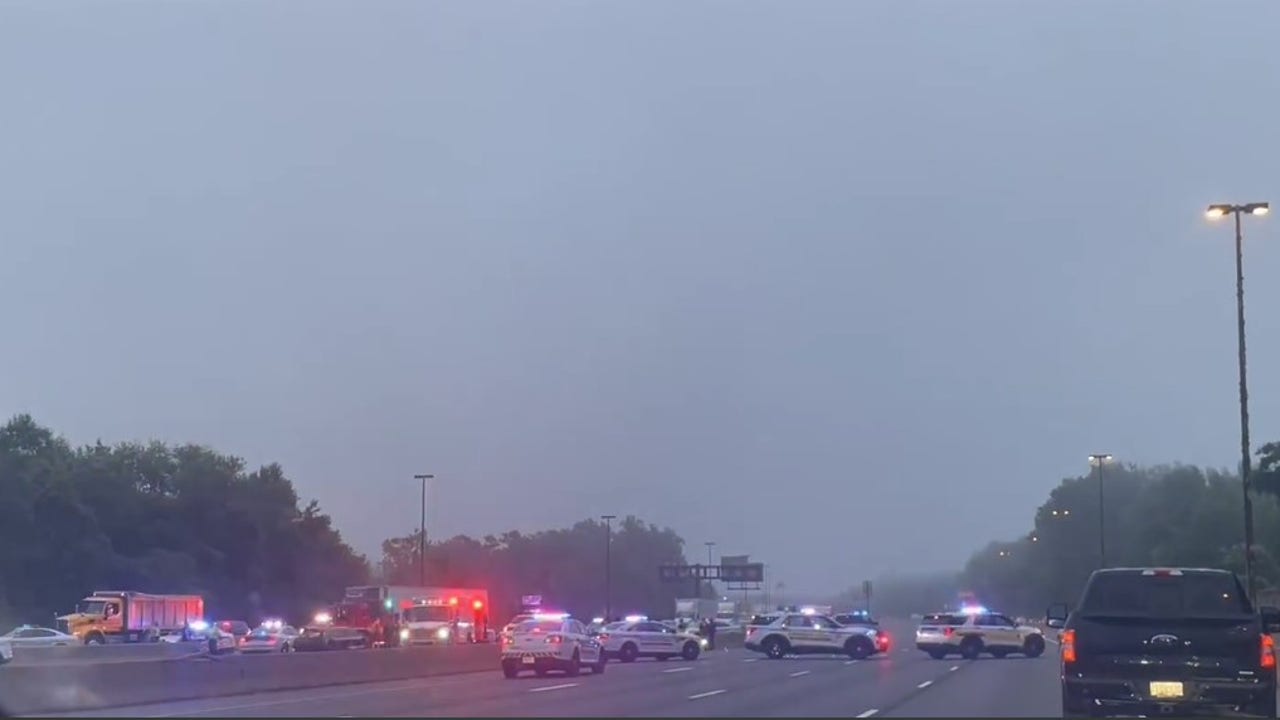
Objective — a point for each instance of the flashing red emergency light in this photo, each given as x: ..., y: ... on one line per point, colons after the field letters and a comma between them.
x: 477, y: 605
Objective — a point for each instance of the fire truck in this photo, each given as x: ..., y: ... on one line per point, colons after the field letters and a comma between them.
x: 374, y: 610
x: 446, y: 616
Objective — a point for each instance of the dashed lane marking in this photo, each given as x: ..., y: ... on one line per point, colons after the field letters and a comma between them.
x: 850, y: 662
x: 709, y: 693
x: 954, y: 668
x: 750, y: 659
x: 800, y: 673
x: 547, y: 688
x: 679, y: 669
x: 867, y: 713
x: 925, y: 684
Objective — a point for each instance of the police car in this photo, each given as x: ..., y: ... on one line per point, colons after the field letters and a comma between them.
x: 638, y: 637
x: 975, y: 630
x: 810, y: 633
x: 549, y: 642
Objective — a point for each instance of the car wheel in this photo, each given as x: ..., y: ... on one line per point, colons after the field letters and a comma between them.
x: 629, y: 653
x: 95, y: 639
x: 510, y: 670
x: 690, y: 651
x: 970, y: 648
x: 286, y: 648
x: 938, y: 654
x: 575, y: 665
x: 598, y: 668
x: 1033, y: 646
x: 775, y: 648
x: 213, y: 646
x: 859, y: 648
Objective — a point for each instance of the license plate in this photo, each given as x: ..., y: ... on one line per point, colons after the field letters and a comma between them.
x: 528, y: 660
x: 1166, y: 689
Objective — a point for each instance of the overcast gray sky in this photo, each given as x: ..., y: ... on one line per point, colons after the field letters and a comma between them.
x: 847, y: 286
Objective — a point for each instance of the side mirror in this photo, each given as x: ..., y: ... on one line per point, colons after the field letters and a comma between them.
x: 1056, y: 615
x: 1270, y: 619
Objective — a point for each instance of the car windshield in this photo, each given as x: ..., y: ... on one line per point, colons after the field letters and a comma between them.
x: 428, y: 613
x: 1190, y: 595
x: 261, y: 634
x: 93, y: 607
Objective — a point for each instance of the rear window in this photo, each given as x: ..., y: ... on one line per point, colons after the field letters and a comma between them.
x: 943, y: 619
x: 529, y: 626
x: 260, y: 634
x: 1188, y: 595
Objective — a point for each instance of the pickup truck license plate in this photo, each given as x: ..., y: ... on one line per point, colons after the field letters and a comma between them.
x: 528, y: 660
x: 1166, y: 689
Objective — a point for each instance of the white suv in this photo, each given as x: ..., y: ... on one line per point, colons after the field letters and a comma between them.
x: 800, y: 633
x: 972, y: 632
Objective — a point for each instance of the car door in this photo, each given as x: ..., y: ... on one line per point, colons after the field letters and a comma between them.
x: 997, y: 630
x: 588, y: 648
x: 36, y: 637
x: 801, y: 631
x: 664, y: 638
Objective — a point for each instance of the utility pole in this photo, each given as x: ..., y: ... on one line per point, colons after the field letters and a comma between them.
x: 422, y: 532
x: 608, y: 567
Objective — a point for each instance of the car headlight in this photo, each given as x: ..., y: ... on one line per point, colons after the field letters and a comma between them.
x: 404, y: 633
x: 443, y: 633
x: 704, y: 642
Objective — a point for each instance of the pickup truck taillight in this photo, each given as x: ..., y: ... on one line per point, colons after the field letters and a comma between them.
x: 1268, y: 652
x: 949, y: 631
x: 1068, y: 642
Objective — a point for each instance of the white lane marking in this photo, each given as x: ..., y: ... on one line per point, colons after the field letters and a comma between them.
x: 800, y: 673
x: 708, y: 693
x: 867, y: 713
x: 925, y: 684
x: 413, y: 685
x: 554, y: 687
x: 850, y: 662
x: 750, y: 659
x: 954, y: 668
x: 679, y: 669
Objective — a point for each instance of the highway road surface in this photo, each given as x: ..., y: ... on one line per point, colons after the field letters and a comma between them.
x: 902, y: 683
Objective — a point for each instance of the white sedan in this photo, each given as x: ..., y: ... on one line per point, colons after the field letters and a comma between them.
x: 646, y: 638
x: 551, y: 642
x: 267, y: 639
x: 32, y: 636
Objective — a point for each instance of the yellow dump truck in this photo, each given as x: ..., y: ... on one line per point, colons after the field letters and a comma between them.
x: 127, y: 616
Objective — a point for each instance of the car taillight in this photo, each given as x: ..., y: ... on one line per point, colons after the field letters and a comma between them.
x: 602, y: 638
x: 948, y: 631
x: 555, y: 639
x: 1068, y: 642
x: 1268, y: 652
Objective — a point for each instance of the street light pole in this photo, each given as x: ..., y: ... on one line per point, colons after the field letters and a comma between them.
x: 608, y: 566
x: 1214, y: 212
x: 422, y: 532
x: 1100, y: 459
x: 709, y: 560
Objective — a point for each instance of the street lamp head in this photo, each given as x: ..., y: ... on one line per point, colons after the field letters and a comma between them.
x: 1217, y: 211
x: 1099, y: 458
x: 1258, y: 208
x: 424, y: 477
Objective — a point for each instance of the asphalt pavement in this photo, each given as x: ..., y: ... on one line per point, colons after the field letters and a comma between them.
x: 902, y: 683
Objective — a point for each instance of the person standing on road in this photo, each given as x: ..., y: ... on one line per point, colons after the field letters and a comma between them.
x: 711, y: 634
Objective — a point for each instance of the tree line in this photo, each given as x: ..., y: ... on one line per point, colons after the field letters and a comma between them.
x: 162, y: 518
x: 1172, y: 515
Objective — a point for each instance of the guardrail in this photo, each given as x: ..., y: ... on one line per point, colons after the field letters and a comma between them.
x: 78, y: 686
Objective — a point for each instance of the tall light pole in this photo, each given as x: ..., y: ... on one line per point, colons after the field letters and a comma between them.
x: 710, y: 562
x: 1214, y: 212
x: 608, y: 566
x: 1098, y: 460
x: 422, y: 532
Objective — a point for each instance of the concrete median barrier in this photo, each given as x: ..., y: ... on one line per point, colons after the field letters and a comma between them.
x: 91, y: 654
x: 49, y: 688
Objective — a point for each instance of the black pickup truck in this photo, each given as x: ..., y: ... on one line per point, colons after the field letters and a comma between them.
x: 1176, y: 642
